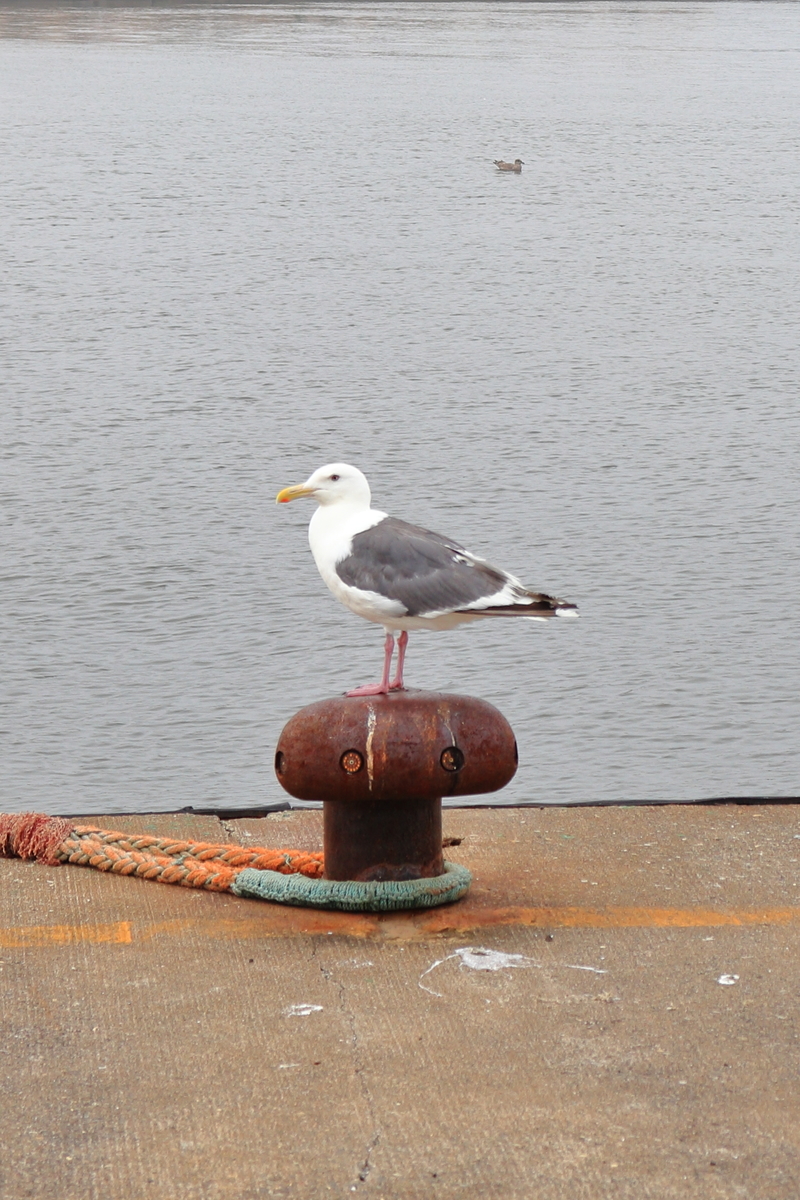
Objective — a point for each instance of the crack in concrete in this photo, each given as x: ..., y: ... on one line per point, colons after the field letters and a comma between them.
x: 366, y: 1166
x: 359, y: 1070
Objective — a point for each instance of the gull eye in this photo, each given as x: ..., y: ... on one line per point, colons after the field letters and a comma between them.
x: 334, y: 478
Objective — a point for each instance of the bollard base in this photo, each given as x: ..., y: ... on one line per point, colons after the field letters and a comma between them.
x: 376, y: 841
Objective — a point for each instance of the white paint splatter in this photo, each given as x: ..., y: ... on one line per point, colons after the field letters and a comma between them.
x: 727, y: 980
x: 301, y: 1010
x: 372, y: 720
x: 479, y: 958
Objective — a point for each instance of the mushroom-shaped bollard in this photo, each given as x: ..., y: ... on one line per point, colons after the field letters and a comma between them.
x: 381, y: 765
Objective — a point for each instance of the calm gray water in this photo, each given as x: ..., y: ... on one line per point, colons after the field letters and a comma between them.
x: 240, y: 242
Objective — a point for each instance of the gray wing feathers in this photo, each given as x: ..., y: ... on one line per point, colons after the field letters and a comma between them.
x: 427, y: 573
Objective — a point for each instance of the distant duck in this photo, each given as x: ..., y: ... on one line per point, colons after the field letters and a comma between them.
x: 516, y: 166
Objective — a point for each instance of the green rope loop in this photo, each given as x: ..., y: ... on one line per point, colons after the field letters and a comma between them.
x: 348, y: 895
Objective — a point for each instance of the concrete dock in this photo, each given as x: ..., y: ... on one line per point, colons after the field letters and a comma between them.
x: 612, y: 1012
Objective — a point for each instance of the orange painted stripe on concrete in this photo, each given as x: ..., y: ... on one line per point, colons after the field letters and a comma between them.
x: 279, y: 921
x: 612, y: 917
x: 119, y: 933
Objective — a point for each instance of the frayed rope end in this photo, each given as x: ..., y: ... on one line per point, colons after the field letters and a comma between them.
x: 33, y: 835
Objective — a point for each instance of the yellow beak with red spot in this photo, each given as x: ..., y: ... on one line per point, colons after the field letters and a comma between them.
x: 294, y: 493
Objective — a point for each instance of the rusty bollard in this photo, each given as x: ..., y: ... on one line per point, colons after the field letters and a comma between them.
x: 381, y: 765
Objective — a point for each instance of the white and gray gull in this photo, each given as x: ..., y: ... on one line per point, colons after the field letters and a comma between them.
x: 401, y: 576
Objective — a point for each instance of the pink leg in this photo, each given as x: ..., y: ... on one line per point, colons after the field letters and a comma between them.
x: 397, y: 684
x: 382, y: 688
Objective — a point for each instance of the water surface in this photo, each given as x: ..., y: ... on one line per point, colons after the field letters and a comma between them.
x: 240, y: 242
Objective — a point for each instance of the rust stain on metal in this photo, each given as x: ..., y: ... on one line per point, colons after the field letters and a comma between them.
x: 402, y: 738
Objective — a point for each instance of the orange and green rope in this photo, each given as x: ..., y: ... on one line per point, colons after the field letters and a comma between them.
x: 284, y: 876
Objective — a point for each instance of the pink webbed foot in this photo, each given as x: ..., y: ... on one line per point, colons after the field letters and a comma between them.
x: 369, y: 689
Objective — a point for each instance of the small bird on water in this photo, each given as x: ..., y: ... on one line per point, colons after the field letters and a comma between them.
x: 402, y: 576
x: 516, y: 166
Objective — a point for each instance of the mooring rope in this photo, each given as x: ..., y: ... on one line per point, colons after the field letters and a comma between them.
x: 284, y: 876
x: 349, y: 895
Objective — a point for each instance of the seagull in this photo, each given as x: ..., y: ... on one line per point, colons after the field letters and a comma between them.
x: 401, y: 576
x: 516, y: 166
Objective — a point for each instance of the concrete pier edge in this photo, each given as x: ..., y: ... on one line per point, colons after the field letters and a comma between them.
x: 611, y: 1012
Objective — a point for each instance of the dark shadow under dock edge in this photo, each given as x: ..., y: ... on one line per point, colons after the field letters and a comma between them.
x: 264, y: 810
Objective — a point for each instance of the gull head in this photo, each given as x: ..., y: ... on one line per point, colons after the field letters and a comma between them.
x: 337, y: 483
